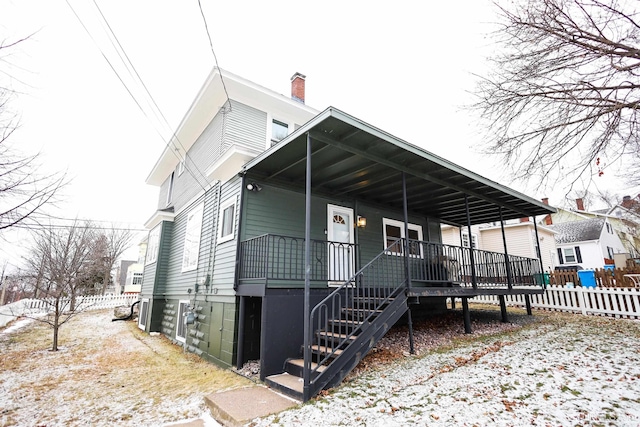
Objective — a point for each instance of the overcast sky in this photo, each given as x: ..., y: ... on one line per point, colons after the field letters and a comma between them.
x: 404, y: 67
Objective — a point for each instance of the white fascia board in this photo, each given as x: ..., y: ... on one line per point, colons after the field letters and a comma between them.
x: 207, y: 103
x: 157, y: 218
x: 230, y: 164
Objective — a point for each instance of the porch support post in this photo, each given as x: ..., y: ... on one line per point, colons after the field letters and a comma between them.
x: 241, y: 316
x: 306, y: 395
x: 406, y: 256
x: 506, y: 252
x: 474, y: 280
x: 503, y: 309
x: 527, y: 302
x: 466, y: 315
x: 535, y: 227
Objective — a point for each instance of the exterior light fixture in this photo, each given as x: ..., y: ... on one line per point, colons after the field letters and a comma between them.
x: 252, y: 186
x: 362, y: 222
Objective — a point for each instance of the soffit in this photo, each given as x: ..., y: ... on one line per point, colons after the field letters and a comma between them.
x: 353, y: 160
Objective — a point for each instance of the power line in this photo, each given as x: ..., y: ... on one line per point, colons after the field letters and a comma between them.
x: 128, y: 90
x: 157, y: 108
x: 215, y: 58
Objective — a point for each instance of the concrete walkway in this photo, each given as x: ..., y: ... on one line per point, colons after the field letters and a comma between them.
x: 236, y: 408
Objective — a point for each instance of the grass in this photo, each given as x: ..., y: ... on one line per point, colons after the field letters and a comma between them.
x: 98, y: 365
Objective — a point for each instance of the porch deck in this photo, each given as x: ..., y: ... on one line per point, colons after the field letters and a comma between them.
x: 431, y: 269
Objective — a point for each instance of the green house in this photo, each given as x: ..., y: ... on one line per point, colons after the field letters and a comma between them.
x: 298, y: 238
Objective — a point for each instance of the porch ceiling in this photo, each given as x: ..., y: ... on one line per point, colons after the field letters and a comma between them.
x: 353, y: 160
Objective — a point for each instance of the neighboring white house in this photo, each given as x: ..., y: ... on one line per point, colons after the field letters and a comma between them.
x: 589, y: 243
x: 133, y: 281
x: 520, y: 236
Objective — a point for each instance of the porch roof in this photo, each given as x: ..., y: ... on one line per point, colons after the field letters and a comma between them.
x: 352, y: 159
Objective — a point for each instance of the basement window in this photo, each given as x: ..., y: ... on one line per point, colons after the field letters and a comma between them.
x: 181, y: 326
x: 144, y: 311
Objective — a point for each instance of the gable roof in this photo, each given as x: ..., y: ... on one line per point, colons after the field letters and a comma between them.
x: 578, y: 231
x: 354, y: 160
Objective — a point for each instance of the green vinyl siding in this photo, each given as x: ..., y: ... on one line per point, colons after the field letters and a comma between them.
x: 212, y: 336
x: 224, y: 257
x: 177, y: 281
x: 278, y: 211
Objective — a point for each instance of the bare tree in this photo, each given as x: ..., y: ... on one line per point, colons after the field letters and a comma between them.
x: 61, y: 260
x: 111, y: 244
x: 562, y: 99
x: 24, y: 190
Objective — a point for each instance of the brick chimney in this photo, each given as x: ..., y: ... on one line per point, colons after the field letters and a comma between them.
x: 297, y: 87
x: 580, y: 204
x: 627, y: 202
x: 547, y: 219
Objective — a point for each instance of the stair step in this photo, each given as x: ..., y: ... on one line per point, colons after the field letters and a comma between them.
x: 326, y: 350
x: 335, y: 336
x: 288, y: 384
x: 300, y: 363
x: 359, y: 312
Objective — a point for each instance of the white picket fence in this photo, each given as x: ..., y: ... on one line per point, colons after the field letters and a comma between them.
x: 24, y: 307
x: 614, y: 302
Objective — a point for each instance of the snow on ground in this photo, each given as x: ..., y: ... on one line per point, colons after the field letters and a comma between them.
x: 549, y: 370
x: 566, y: 373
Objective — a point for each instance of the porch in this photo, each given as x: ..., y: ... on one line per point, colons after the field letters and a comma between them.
x: 432, y: 269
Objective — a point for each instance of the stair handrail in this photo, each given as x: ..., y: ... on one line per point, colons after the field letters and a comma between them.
x: 394, y: 253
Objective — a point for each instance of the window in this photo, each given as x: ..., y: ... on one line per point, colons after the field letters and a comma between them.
x: 137, y: 279
x: 394, y: 230
x: 610, y: 252
x: 170, y: 189
x: 144, y: 311
x: 465, y: 240
x: 152, y: 245
x: 279, y: 131
x: 192, y: 239
x: 227, y: 221
x: 609, y: 228
x: 569, y: 255
x: 181, y: 326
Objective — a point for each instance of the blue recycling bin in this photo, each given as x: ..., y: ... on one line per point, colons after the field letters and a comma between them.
x: 587, y: 278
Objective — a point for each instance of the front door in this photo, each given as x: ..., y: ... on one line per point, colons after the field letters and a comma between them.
x: 340, y: 223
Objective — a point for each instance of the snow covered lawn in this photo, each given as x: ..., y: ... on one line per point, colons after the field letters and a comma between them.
x: 564, y: 370
x: 106, y: 373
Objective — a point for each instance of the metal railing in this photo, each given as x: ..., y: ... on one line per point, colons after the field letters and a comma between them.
x: 274, y: 257
x: 439, y: 264
x: 340, y: 315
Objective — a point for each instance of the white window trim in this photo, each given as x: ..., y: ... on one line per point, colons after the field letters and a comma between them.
x: 142, y: 317
x: 153, y: 246
x: 226, y: 204
x: 181, y: 317
x: 195, y: 215
x: 573, y: 252
x: 474, y: 240
x: 270, y: 118
x: 400, y: 224
x: 170, y: 189
x: 181, y: 167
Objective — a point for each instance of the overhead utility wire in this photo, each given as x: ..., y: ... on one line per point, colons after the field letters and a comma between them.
x: 126, y: 87
x: 215, y: 58
x: 157, y: 108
